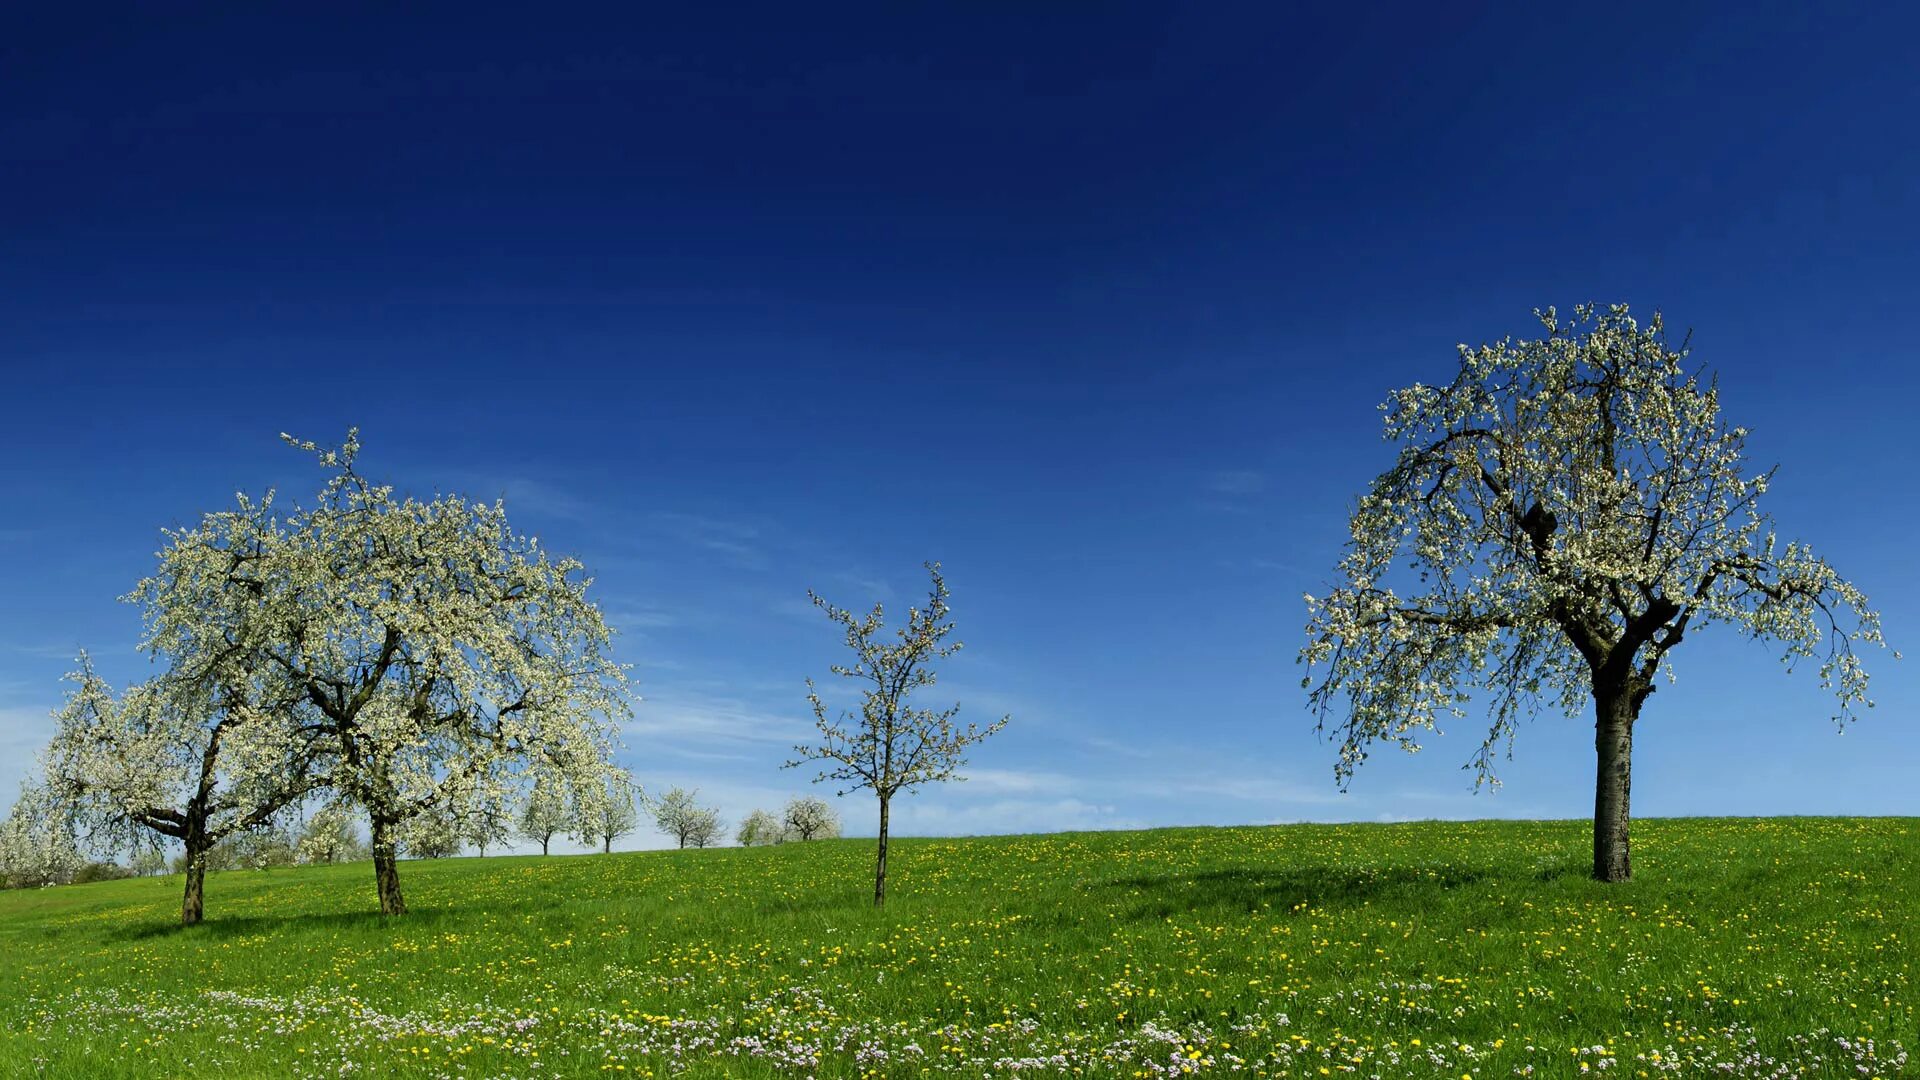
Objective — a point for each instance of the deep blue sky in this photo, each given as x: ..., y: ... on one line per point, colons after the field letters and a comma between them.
x: 1094, y: 304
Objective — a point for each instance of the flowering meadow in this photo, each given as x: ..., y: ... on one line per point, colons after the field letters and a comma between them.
x: 1746, y: 948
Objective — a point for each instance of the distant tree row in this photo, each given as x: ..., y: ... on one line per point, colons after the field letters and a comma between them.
x: 805, y: 818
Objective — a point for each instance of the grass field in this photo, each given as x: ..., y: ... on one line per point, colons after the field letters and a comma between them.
x: 1752, y: 948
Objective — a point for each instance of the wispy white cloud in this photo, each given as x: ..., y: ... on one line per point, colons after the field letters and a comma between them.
x: 951, y: 815
x: 693, y: 720
x: 1016, y: 781
x: 543, y: 498
x: 1277, y: 565
x: 736, y: 541
x: 522, y: 494
x: 1236, y: 482
x: 53, y: 651
x: 642, y: 618
x: 866, y: 588
x: 1114, y: 746
x: 1211, y: 784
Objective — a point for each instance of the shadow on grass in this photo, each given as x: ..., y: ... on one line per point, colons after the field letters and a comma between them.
x: 220, y: 927
x: 1281, y: 890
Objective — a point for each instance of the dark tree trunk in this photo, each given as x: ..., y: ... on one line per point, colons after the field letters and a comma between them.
x: 193, y: 905
x: 606, y: 846
x: 1614, y: 713
x: 544, y: 841
x: 880, y: 861
x: 386, y: 868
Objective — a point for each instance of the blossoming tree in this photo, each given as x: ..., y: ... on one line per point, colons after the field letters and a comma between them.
x: 679, y: 814
x: 164, y: 760
x: 37, y: 842
x: 211, y: 748
x: 330, y: 836
x: 1573, y: 506
x: 890, y: 745
x: 807, y: 817
x: 544, y: 815
x: 603, y: 812
x: 441, y: 658
x: 759, y: 829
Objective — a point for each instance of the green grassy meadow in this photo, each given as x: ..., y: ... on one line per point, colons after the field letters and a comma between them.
x: 1752, y: 948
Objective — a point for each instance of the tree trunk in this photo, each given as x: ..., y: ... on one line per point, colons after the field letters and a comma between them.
x: 386, y: 869
x: 880, y: 862
x: 543, y: 844
x: 1613, y: 744
x: 194, y: 904
x: 606, y: 846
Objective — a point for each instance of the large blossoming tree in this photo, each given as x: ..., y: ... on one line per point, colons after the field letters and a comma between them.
x: 1566, y: 511
x: 443, y: 660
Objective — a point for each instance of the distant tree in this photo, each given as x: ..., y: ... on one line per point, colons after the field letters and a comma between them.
x: 679, y: 815
x: 330, y: 836
x: 100, y: 870
x: 545, y: 814
x: 440, y: 657
x: 709, y: 830
x: 263, y: 848
x: 37, y: 840
x: 432, y: 833
x: 810, y: 818
x: 759, y: 829
x: 147, y: 861
x: 485, y: 823
x: 890, y: 746
x: 1574, y: 506
x: 603, y: 811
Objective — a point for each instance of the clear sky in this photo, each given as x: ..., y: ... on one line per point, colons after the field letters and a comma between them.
x: 1095, y: 304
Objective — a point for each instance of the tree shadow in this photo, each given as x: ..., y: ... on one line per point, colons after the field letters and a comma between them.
x: 1254, y: 890
x: 221, y: 927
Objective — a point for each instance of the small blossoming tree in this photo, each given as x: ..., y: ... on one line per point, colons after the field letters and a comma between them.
x: 330, y: 836
x: 1573, y: 507
x: 544, y: 816
x: 37, y: 840
x: 890, y: 746
x: 679, y: 814
x: 603, y: 811
x: 807, y: 817
x: 759, y: 829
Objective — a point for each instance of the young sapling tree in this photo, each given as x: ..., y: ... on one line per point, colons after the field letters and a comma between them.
x: 890, y: 745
